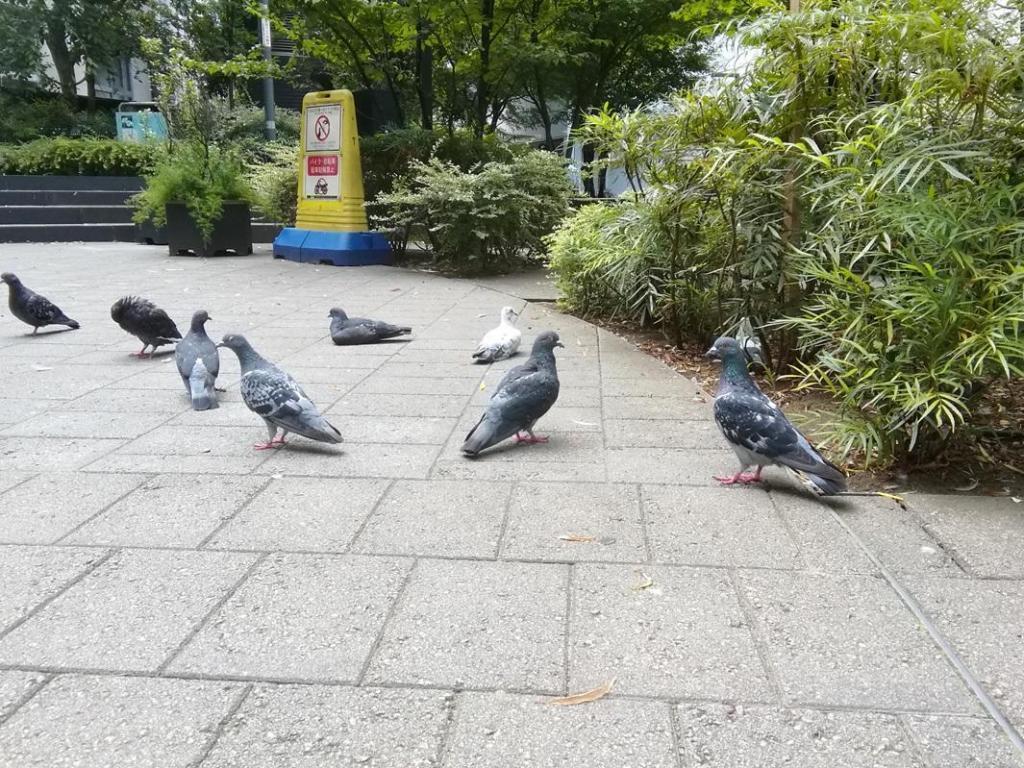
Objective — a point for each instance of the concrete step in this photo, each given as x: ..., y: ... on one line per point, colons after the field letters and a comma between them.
x: 72, y: 183
x: 67, y: 233
x: 65, y: 214
x: 63, y: 197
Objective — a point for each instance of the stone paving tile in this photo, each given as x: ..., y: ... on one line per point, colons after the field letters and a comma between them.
x: 64, y: 383
x: 100, y: 722
x: 655, y: 408
x: 299, y: 514
x: 50, y: 506
x: 129, y: 614
x: 298, y: 617
x: 399, y: 405
x: 453, y: 466
x: 14, y: 686
x: 824, y: 545
x: 422, y: 370
x: 60, y: 423
x: 51, y: 453
x: 659, y: 433
x: 304, y: 457
x: 962, y: 742
x: 16, y: 410
x: 445, y: 518
x: 985, y: 533
x: 398, y: 429
x: 717, y: 526
x: 127, y: 401
x: 664, y: 465
x: 382, y: 384
x: 983, y: 621
x: 728, y: 736
x: 169, y: 511
x: 313, y: 726
x: 682, y: 636
x: 848, y: 640
x: 10, y: 479
x: 501, y: 730
x: 544, y: 516
x: 192, y: 440
x: 477, y: 624
x: 204, y: 464
x: 229, y: 413
x: 31, y: 574
x: 677, y: 387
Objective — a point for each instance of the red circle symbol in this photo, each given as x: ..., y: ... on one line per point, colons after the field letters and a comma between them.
x: 322, y: 128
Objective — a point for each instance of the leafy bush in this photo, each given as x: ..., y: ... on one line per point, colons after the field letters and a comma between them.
x: 484, y: 220
x: 275, y: 182
x: 202, y: 178
x: 26, y: 117
x: 74, y: 157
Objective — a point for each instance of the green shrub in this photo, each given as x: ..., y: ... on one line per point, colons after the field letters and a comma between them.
x: 202, y: 178
x: 78, y: 157
x: 275, y: 182
x: 27, y: 117
x: 488, y: 219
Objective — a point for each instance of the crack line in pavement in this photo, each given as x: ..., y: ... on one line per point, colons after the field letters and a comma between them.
x: 218, y: 731
x: 392, y: 612
x: 939, y: 639
x: 27, y: 696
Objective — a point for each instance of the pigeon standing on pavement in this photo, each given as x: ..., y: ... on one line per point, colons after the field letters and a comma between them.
x: 195, y: 349
x: 275, y: 397
x: 525, y: 394
x: 759, y: 432
x: 33, y: 309
x: 146, y: 321
x: 358, y: 330
x: 501, y: 342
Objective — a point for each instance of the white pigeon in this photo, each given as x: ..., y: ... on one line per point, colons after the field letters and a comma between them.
x: 501, y: 342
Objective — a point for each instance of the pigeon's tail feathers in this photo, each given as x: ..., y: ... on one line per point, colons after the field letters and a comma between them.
x: 404, y: 329
x: 72, y: 324
x: 821, y: 486
x: 200, y: 385
x: 317, y: 428
x: 490, y: 430
x: 485, y: 354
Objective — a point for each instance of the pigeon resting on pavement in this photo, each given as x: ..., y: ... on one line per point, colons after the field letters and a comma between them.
x: 33, y: 309
x: 501, y: 342
x: 197, y: 348
x: 146, y: 321
x: 525, y: 394
x: 759, y: 432
x: 276, y: 398
x: 358, y: 330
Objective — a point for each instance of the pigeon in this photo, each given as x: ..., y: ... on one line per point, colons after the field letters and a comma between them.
x: 759, y: 432
x: 275, y: 397
x: 146, y: 321
x: 501, y: 342
x: 358, y: 330
x: 197, y: 347
x: 525, y: 394
x: 200, y: 387
x: 33, y: 309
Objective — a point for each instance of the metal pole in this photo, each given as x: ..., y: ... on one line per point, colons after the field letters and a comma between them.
x: 270, y: 126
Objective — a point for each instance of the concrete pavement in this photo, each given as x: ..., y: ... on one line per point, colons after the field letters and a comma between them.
x: 171, y: 597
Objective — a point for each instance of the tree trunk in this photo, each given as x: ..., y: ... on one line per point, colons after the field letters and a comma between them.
x: 483, y: 88
x: 424, y: 76
x: 57, y: 42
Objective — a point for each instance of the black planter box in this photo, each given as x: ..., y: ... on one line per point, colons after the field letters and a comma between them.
x: 231, y: 234
x: 151, y: 234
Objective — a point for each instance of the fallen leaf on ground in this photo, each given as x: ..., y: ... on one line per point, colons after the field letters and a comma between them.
x: 969, y: 487
x: 586, y: 697
x: 482, y: 386
x: 646, y: 582
x: 575, y: 537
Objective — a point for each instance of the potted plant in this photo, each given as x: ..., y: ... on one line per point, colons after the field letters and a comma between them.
x: 200, y: 194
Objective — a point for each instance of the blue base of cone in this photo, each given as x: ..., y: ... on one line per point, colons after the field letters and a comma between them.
x: 342, y: 249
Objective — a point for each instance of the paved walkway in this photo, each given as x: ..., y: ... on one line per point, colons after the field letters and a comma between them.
x: 169, y: 597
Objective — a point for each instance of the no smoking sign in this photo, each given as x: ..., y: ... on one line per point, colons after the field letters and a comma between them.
x: 323, y: 128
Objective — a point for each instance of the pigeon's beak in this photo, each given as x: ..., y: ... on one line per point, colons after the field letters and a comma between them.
x: 560, y: 344
x: 220, y: 346
x: 712, y: 354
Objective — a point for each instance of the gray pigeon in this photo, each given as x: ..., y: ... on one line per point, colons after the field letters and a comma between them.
x: 276, y: 398
x: 200, y: 387
x: 759, y: 432
x: 33, y: 309
x: 347, y: 330
x: 196, y: 347
x: 525, y: 394
x: 145, y: 321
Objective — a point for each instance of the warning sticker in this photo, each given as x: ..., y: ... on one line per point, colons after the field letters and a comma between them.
x: 322, y: 181
x: 323, y: 128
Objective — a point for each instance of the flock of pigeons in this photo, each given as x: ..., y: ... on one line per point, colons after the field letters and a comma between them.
x: 758, y: 431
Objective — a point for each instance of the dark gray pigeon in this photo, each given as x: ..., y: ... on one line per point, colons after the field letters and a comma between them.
x: 196, y: 348
x: 276, y: 398
x: 358, y: 330
x: 146, y: 321
x: 525, y: 394
x: 33, y: 309
x: 759, y: 432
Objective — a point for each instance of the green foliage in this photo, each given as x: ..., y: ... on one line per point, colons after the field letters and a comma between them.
x: 26, y: 117
x: 275, y: 182
x: 488, y: 219
x: 201, y: 178
x: 77, y: 157
x: 857, y: 194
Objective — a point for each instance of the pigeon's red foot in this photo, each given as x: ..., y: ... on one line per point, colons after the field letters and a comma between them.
x: 531, y: 439
x: 278, y: 441
x: 268, y: 445
x: 744, y: 478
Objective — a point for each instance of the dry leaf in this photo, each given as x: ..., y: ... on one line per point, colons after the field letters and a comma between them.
x: 969, y: 487
x: 586, y: 697
x: 576, y: 537
x: 646, y: 582
x: 482, y: 386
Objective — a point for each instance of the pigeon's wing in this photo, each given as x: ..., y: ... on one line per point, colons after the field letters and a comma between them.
x: 753, y: 422
x: 186, y: 354
x: 276, y: 397
x: 146, y: 320
x: 41, y: 309
x: 526, y: 397
x: 527, y: 369
x: 496, y: 344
